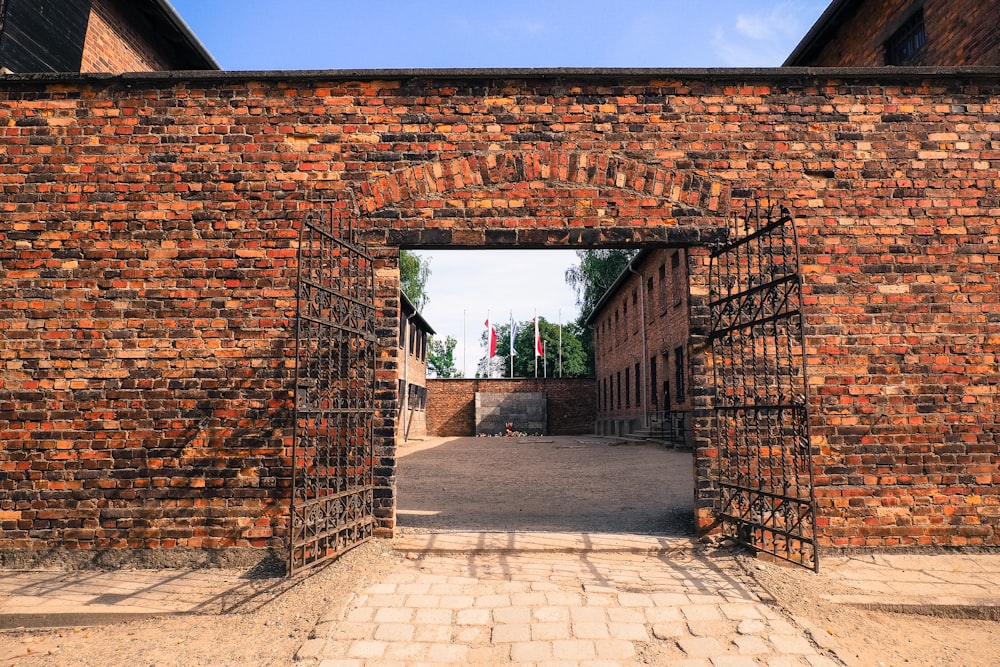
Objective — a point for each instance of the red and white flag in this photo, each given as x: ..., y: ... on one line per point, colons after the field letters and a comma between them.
x: 491, y: 332
x: 539, y: 351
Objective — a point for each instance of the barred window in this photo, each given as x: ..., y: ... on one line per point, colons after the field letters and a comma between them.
x: 906, y: 45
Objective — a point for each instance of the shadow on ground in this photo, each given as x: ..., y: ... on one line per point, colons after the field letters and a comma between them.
x: 559, y: 484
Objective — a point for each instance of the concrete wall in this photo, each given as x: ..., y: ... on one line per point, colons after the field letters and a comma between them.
x: 569, y: 403
x: 521, y: 411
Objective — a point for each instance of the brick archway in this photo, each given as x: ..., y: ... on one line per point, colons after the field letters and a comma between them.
x: 539, y: 199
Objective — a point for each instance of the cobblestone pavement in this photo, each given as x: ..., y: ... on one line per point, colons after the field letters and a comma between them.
x: 561, y: 600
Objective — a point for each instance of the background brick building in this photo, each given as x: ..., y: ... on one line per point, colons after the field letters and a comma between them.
x: 97, y: 36
x: 874, y: 33
x: 413, y: 333
x: 641, y: 344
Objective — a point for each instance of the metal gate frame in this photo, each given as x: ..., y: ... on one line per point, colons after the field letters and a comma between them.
x: 761, y: 412
x: 332, y: 501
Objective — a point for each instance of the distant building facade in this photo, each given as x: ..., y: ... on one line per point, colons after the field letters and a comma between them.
x: 412, y: 351
x: 90, y: 36
x: 876, y: 33
x: 641, y: 331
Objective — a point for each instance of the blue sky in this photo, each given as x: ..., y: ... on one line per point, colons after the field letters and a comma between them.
x: 375, y: 34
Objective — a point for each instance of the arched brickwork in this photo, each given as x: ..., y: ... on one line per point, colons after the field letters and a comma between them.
x: 538, y: 199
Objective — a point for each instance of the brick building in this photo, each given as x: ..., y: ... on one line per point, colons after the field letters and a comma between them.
x: 413, y: 333
x: 641, y: 334
x: 875, y: 33
x: 97, y: 36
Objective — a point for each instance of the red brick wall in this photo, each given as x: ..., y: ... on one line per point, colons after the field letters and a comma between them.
x: 451, y: 406
x: 959, y: 32
x: 113, y: 45
x: 147, y: 240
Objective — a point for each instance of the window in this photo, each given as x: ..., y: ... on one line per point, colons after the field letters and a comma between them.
x: 906, y: 45
x: 638, y: 385
x: 663, y: 288
x: 649, y: 299
x: 628, y: 389
x: 635, y: 309
x: 618, y: 331
x: 677, y: 278
x: 679, y: 373
x: 625, y: 319
x: 604, y: 402
x: 652, y: 380
x: 619, y: 385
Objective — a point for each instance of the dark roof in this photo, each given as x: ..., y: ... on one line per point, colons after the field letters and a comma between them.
x: 189, y: 52
x: 822, y: 32
x: 410, y: 313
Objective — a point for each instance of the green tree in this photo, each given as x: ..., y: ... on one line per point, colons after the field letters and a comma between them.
x: 574, y: 358
x: 414, y: 271
x: 591, y: 279
x: 441, y: 357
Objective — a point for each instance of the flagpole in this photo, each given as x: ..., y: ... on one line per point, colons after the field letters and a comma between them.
x: 545, y: 370
x: 535, y: 344
x: 560, y: 342
x: 511, y: 350
x: 465, y: 346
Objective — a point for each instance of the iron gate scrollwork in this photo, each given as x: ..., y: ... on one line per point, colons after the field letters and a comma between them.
x: 332, y: 504
x: 761, y: 415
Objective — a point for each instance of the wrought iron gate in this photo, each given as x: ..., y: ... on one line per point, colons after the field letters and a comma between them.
x: 761, y: 417
x: 332, y: 505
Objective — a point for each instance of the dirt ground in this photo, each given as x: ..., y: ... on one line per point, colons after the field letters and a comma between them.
x: 551, y: 484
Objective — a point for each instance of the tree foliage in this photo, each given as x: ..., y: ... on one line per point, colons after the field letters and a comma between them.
x: 414, y: 271
x: 591, y: 279
x: 595, y: 274
x: 441, y: 358
x: 574, y: 359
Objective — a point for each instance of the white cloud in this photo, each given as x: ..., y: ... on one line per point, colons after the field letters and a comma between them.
x: 766, y: 37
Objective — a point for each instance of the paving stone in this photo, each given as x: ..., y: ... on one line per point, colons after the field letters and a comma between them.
x: 551, y: 614
x: 591, y: 631
x: 792, y: 644
x: 340, y: 663
x: 629, y: 631
x: 733, y: 661
x: 447, y: 653
x: 670, y: 630
x: 511, y: 632
x: 432, y: 633
x: 366, y: 649
x: 701, y: 612
x: 550, y: 631
x: 470, y: 635
x: 588, y: 614
x: 740, y: 612
x: 701, y: 647
x: 614, y: 649
x: 474, y: 617
x: 492, y: 600
x: 573, y: 649
x: 395, y: 632
x: 432, y: 616
x: 512, y: 615
x: 662, y: 614
x: 751, y: 627
x: 751, y: 645
x: 629, y: 615
x: 393, y: 615
x: 455, y: 601
x: 707, y: 628
x: 353, y: 631
x: 528, y: 652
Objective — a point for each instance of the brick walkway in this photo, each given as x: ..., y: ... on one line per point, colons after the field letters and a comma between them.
x: 545, y: 600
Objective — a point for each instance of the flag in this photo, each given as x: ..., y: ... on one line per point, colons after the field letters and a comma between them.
x: 492, y: 333
x: 513, y: 332
x: 539, y: 350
